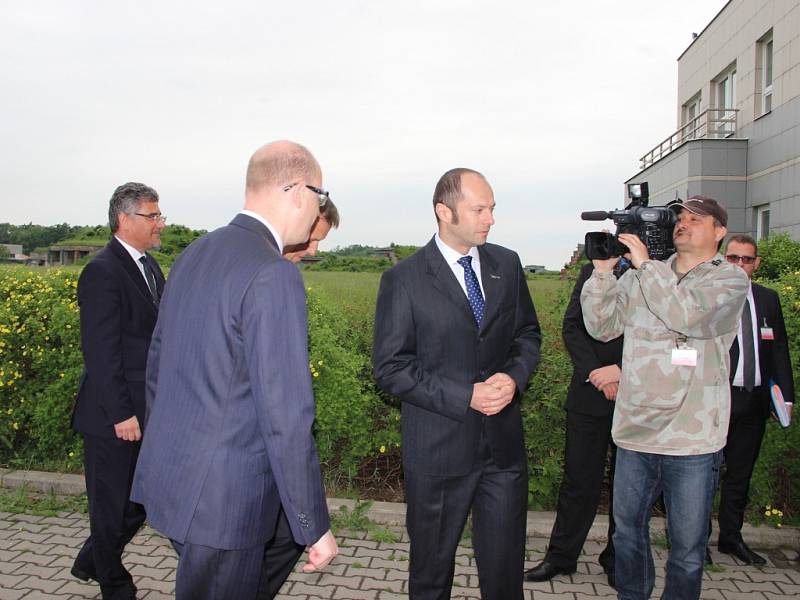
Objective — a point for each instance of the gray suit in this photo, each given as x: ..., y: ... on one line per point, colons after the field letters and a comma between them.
x: 230, y: 408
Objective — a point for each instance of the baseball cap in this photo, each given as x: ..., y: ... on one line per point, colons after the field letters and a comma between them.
x: 704, y: 206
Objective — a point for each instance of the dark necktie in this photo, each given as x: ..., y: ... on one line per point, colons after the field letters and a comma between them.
x: 748, y: 349
x: 150, y: 277
x: 473, y: 288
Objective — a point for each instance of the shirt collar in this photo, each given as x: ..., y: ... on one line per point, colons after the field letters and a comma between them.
x: 135, y: 254
x: 451, y: 256
x: 266, y: 224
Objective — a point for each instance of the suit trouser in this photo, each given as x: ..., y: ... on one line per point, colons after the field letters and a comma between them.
x: 206, y: 573
x: 587, y: 442
x: 109, y: 464
x: 746, y: 430
x: 437, y: 509
x: 280, y: 557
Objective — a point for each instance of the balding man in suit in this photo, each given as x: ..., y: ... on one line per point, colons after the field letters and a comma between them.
x: 229, y: 400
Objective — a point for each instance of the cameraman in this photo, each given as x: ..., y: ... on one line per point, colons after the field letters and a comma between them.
x: 679, y: 318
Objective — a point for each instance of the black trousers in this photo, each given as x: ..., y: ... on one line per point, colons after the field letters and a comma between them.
x: 587, y: 442
x: 109, y: 465
x: 437, y: 509
x: 280, y: 556
x: 749, y: 413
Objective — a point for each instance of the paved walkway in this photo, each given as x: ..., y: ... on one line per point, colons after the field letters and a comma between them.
x: 36, y: 554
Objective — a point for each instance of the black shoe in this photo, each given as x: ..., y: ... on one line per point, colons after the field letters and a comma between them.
x: 545, y: 571
x: 82, y: 575
x: 742, y: 552
x: 708, y: 557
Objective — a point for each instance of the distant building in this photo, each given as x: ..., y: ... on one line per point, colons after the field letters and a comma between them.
x: 14, y: 252
x: 738, y: 118
x: 69, y: 254
x: 534, y: 268
x: 387, y: 253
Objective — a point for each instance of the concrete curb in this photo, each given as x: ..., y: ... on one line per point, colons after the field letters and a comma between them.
x: 394, y: 513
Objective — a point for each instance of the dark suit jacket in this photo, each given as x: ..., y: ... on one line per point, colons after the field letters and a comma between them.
x: 587, y: 354
x: 428, y: 351
x: 117, y: 316
x: 229, y: 399
x: 773, y: 355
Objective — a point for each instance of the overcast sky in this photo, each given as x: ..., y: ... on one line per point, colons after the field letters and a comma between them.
x: 553, y: 101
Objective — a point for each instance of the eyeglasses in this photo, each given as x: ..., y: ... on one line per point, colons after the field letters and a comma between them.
x: 735, y: 258
x: 154, y: 217
x: 323, y: 195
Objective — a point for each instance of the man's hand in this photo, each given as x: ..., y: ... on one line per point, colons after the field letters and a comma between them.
x: 610, y: 391
x: 602, y: 376
x: 605, y: 266
x: 321, y: 553
x: 128, y: 430
x: 494, y: 394
x: 637, y: 248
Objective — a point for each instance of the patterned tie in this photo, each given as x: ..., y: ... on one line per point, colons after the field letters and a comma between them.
x: 748, y: 349
x: 473, y: 289
x: 151, y: 279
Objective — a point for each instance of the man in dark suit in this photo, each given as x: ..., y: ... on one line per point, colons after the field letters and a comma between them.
x: 118, y: 295
x: 590, y: 409
x: 456, y: 340
x: 759, y: 353
x: 229, y: 400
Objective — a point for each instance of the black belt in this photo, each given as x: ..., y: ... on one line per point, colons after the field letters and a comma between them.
x: 739, y: 388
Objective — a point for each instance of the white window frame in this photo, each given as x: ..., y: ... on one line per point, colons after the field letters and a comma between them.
x: 691, y: 112
x: 725, y: 85
x: 767, y: 67
x: 762, y: 221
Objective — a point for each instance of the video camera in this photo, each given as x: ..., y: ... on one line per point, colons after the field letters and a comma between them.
x: 653, y: 225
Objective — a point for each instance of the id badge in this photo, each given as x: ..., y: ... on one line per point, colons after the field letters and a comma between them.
x: 684, y: 356
x: 767, y: 333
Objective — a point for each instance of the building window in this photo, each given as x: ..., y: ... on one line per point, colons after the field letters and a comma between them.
x: 691, y: 118
x: 724, y: 117
x: 762, y: 222
x: 764, y: 80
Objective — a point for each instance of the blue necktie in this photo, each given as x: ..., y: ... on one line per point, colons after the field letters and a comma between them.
x: 473, y: 289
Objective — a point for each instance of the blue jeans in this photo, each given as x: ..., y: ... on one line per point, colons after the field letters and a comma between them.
x: 688, y: 484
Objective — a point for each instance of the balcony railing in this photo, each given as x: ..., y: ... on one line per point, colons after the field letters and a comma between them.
x: 711, y: 123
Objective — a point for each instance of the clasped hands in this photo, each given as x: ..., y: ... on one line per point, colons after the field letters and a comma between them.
x: 493, y: 395
x: 606, y: 380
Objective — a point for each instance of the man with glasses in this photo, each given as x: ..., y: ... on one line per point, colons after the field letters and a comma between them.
x: 230, y: 405
x: 118, y: 293
x: 679, y: 318
x: 759, y: 354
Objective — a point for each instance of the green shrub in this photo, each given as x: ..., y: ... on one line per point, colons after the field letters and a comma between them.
x: 779, y: 254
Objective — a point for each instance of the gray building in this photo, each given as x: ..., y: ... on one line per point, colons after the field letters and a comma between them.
x: 738, y: 118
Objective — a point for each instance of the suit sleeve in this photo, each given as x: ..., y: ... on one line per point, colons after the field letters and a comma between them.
x: 524, y: 353
x: 576, y: 339
x: 397, y: 369
x: 782, y: 364
x: 275, y: 335
x: 99, y: 298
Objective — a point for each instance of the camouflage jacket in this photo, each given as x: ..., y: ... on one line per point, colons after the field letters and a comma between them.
x: 663, y: 408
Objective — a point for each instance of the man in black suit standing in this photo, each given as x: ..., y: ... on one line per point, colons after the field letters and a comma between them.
x: 590, y: 409
x: 759, y: 353
x: 456, y: 340
x: 118, y: 295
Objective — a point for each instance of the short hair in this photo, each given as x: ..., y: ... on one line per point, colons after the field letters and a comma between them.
x: 743, y: 238
x: 330, y: 213
x: 126, y: 199
x: 448, y: 188
x: 275, y: 167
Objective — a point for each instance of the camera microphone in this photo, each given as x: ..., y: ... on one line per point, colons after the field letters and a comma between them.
x: 595, y: 215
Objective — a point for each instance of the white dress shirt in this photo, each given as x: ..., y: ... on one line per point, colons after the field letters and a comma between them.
x: 451, y: 258
x: 135, y: 255
x: 738, y: 378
